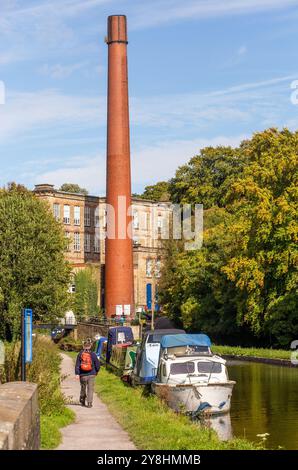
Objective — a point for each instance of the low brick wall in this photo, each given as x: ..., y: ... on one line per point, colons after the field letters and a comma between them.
x: 19, y: 416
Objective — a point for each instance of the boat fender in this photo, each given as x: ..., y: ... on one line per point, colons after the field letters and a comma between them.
x: 203, y: 406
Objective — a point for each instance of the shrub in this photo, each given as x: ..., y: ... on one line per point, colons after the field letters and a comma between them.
x: 45, y: 371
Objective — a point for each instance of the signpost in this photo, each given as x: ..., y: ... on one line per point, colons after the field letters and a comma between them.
x: 27, y: 317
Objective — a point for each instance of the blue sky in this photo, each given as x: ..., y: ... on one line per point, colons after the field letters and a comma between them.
x: 201, y: 72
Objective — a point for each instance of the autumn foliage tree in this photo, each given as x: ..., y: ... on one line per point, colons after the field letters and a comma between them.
x: 245, y: 276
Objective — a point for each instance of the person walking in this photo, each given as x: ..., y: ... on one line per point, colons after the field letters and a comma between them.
x: 86, y: 369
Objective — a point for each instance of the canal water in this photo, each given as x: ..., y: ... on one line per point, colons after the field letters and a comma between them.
x: 264, y: 400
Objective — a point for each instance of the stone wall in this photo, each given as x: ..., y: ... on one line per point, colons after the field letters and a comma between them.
x: 19, y: 416
x: 90, y: 330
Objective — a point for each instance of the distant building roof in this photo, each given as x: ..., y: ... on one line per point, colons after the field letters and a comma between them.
x: 46, y: 188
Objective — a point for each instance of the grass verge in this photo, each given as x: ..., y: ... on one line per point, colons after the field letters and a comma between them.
x: 50, y: 428
x: 252, y: 352
x: 152, y: 425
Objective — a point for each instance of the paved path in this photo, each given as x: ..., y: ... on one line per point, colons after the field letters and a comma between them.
x: 94, y: 428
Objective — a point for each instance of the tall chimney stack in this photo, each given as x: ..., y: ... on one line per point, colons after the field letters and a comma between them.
x: 119, y: 291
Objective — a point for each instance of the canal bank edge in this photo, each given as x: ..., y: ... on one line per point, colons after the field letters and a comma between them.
x: 263, y: 360
x: 277, y: 357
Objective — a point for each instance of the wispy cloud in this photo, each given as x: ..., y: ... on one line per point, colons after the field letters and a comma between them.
x: 52, y: 26
x: 86, y: 170
x: 157, y: 12
x: 150, y: 164
x: 59, y: 71
x: 57, y: 7
x: 29, y: 112
x: 260, y: 102
x: 242, y: 50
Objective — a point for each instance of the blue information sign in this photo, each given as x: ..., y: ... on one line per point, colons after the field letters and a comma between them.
x: 28, y: 335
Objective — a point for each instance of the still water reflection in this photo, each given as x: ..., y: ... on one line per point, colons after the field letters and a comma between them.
x: 265, y: 400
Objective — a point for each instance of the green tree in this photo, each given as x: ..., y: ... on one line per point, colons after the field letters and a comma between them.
x: 157, y: 192
x: 206, y: 177
x: 73, y: 188
x: 265, y: 200
x: 33, y: 271
x: 86, y: 295
x: 244, y: 279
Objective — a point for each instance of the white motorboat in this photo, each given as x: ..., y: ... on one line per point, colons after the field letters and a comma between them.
x: 190, y: 378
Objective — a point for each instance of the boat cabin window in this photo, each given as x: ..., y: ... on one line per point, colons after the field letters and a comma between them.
x: 201, y: 349
x: 182, y: 368
x: 154, y: 338
x: 209, y: 367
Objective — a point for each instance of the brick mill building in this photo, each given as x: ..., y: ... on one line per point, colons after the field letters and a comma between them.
x: 84, y: 222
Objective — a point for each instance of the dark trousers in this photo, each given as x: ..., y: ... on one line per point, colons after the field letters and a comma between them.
x: 87, y: 387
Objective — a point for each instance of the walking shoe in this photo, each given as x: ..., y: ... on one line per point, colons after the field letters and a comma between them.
x: 89, y: 405
x: 82, y: 401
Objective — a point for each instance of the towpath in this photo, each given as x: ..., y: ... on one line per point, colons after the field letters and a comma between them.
x: 94, y: 428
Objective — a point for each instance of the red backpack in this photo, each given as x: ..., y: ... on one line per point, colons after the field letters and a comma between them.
x: 86, y: 361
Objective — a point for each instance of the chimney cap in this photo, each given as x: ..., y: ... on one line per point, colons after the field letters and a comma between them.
x: 117, y: 29
x: 43, y: 187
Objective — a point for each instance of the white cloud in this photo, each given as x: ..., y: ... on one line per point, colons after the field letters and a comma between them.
x: 160, y: 161
x: 43, y: 27
x: 149, y: 164
x: 25, y: 113
x: 164, y: 11
x: 241, y: 103
x: 59, y: 71
x: 87, y: 171
x: 242, y: 50
x: 60, y: 7
x: 11, y: 56
x: 28, y: 112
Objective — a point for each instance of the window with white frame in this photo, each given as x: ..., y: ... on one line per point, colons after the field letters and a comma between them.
x: 136, y: 240
x: 159, y: 222
x: 87, y: 216
x: 77, y: 242
x: 77, y: 215
x: 148, y: 267
x: 72, y: 288
x: 96, y: 217
x: 87, y: 243
x: 147, y: 220
x: 66, y: 214
x: 135, y: 219
x: 158, y: 267
x: 56, y: 211
x: 96, y: 243
x: 67, y: 236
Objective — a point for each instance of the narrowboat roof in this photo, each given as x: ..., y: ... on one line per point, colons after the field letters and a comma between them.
x: 173, y: 341
x: 170, y: 331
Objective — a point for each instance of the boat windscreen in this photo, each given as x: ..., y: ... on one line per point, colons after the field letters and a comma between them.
x: 200, y: 349
x: 209, y: 367
x: 182, y: 368
x: 154, y: 338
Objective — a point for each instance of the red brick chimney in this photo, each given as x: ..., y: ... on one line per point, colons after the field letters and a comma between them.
x: 119, y: 289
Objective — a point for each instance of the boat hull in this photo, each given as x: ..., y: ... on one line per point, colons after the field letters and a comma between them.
x: 214, y: 398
